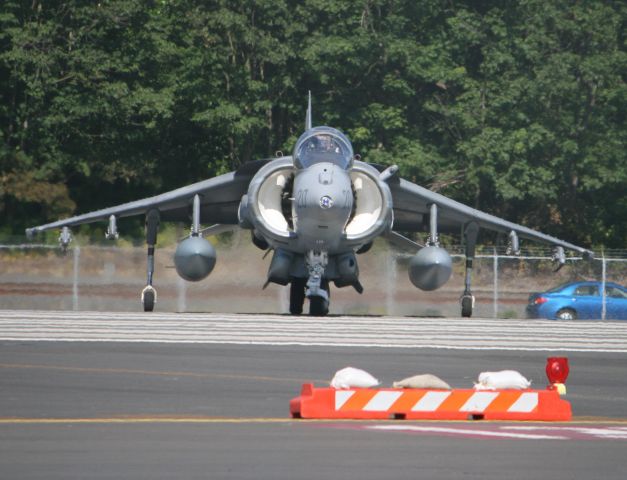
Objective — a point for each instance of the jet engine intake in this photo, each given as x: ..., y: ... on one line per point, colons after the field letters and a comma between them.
x: 268, y: 201
x: 430, y: 268
x: 194, y: 259
x: 372, y: 207
x: 369, y: 201
x: 267, y: 206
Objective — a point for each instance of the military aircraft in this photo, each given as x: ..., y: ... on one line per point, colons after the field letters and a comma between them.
x: 316, y: 210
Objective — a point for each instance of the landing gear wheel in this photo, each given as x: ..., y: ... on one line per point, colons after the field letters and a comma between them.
x: 297, y: 295
x: 467, y: 302
x: 566, y: 314
x: 319, y: 306
x: 149, y: 298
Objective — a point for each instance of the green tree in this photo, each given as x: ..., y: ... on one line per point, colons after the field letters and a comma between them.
x: 517, y: 108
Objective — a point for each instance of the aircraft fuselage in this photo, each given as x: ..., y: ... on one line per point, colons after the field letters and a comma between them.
x: 315, y: 209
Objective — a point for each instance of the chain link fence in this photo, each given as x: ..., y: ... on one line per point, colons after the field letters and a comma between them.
x: 37, y: 276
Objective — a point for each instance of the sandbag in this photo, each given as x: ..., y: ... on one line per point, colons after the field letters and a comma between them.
x: 503, y: 379
x: 422, y: 381
x: 350, y: 377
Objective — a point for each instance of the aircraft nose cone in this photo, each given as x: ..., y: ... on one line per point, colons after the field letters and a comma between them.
x: 322, y: 191
x: 322, y: 206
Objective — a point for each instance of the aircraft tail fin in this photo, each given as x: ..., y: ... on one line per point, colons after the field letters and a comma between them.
x: 308, y: 119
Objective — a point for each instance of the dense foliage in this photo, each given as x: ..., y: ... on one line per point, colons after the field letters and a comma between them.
x: 517, y: 108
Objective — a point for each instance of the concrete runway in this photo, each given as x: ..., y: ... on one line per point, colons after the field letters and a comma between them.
x: 99, y: 395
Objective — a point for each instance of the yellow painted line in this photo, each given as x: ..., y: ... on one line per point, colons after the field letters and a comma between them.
x: 214, y: 420
x: 127, y: 371
x: 122, y: 420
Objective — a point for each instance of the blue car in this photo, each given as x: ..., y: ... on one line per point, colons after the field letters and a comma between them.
x: 581, y: 300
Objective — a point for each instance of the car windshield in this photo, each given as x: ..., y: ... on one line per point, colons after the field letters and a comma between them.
x: 615, y: 292
x: 323, y: 144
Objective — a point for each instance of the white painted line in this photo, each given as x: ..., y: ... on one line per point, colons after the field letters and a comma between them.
x: 276, y: 330
x: 464, y: 432
x: 616, y: 433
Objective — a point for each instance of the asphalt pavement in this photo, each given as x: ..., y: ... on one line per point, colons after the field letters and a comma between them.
x: 116, y: 409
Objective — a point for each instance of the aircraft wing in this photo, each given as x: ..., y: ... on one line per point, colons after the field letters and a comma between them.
x: 411, y: 213
x: 219, y: 196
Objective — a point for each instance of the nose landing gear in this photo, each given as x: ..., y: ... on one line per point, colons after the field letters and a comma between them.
x: 317, y: 288
x: 318, y: 304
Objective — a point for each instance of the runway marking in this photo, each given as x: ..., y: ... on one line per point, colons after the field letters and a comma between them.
x: 620, y: 425
x: 335, y: 331
x: 465, y: 432
x: 617, y: 433
x: 134, y: 420
x: 152, y: 372
x: 522, y: 432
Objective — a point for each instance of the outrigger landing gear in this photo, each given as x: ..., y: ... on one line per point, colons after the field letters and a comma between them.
x: 471, y: 231
x: 149, y: 298
x: 149, y: 294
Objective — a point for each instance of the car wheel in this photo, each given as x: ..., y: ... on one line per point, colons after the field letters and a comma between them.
x: 566, y: 314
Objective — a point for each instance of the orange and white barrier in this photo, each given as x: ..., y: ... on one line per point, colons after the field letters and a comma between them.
x: 421, y: 404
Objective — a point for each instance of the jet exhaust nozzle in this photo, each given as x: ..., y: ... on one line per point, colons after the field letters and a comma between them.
x: 430, y: 268
x: 194, y: 259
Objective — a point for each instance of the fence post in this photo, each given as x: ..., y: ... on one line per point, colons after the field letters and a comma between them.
x: 77, y: 254
x: 182, y: 295
x: 283, y: 298
x: 390, y: 267
x: 495, y: 264
x: 603, y: 273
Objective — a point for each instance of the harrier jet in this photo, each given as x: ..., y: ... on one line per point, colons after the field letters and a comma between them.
x: 316, y: 210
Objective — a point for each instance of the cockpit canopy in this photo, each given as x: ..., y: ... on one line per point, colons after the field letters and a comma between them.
x: 323, y: 144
